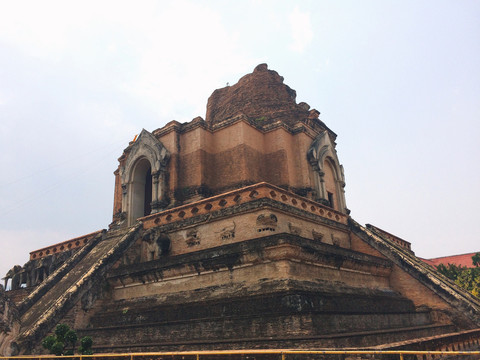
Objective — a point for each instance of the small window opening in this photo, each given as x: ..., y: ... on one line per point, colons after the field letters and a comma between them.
x: 147, y: 208
x: 330, y: 199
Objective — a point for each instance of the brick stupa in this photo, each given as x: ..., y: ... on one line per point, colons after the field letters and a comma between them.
x: 233, y: 233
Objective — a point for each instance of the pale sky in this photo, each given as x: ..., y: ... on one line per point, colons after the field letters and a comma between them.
x: 398, y: 81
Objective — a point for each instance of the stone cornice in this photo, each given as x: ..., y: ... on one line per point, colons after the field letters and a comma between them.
x: 395, y: 239
x: 306, y: 126
x: 312, y: 251
x: 74, y: 243
x: 258, y: 194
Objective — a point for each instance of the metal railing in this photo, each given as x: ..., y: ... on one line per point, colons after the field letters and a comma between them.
x: 267, y: 355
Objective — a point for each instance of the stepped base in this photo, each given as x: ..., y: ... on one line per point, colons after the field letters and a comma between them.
x: 343, y: 340
x: 279, y: 314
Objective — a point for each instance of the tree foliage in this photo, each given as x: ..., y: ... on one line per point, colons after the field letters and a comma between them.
x: 86, y: 345
x: 451, y: 271
x: 65, y: 340
x: 466, y: 278
x: 476, y: 259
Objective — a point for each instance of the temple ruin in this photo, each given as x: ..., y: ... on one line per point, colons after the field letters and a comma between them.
x: 233, y: 232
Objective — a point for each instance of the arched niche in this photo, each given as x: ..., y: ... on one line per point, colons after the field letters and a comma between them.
x: 328, y: 177
x: 141, y: 189
x: 144, y: 177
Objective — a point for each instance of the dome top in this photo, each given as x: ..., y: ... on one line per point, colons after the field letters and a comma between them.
x: 261, y: 96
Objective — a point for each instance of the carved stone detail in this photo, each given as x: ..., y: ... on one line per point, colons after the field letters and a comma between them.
x: 146, y: 147
x: 33, y: 272
x: 9, y: 325
x: 192, y: 237
x: 295, y: 230
x: 323, y: 149
x: 317, y: 236
x: 266, y: 222
x: 154, y: 245
x: 335, y: 240
x: 228, y: 232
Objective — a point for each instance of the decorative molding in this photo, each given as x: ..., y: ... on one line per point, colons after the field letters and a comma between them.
x: 146, y: 147
x: 240, y: 197
x: 149, y: 147
x: 322, y: 150
x: 74, y: 243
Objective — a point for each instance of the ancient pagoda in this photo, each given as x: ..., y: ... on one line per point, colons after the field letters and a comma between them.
x: 233, y: 232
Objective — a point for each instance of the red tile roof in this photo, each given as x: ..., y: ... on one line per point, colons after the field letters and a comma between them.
x: 459, y: 260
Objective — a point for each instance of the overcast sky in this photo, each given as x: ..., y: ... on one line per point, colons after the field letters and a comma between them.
x: 398, y: 81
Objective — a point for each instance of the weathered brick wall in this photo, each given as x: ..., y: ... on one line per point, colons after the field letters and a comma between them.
x: 403, y: 282
x: 261, y: 95
x: 16, y: 296
x: 276, y: 293
x: 414, y: 290
x: 361, y: 246
x: 254, y: 132
x: 239, y: 154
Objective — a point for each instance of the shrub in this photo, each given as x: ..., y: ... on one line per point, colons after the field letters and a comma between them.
x: 64, y: 341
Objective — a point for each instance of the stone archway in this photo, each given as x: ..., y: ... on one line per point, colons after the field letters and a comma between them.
x: 326, y: 168
x: 144, y: 178
x: 141, y: 190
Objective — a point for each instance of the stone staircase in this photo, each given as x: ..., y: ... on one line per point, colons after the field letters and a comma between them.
x: 28, y: 301
x: 466, y: 306
x: 65, y: 287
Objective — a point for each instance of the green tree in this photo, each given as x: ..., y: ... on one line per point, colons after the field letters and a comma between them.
x: 64, y: 341
x: 451, y: 271
x: 86, y: 345
x: 469, y: 279
x: 466, y: 278
x: 476, y: 259
x: 48, y: 342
